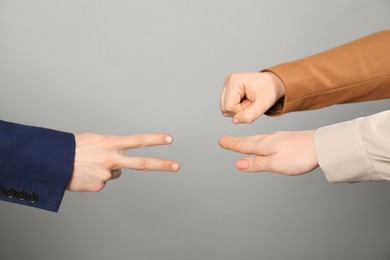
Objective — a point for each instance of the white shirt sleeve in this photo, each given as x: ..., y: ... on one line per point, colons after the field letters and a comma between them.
x: 357, y: 150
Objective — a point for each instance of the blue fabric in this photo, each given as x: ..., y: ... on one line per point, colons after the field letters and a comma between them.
x: 37, y: 161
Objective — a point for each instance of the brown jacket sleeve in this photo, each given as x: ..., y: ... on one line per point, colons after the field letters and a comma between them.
x: 357, y: 71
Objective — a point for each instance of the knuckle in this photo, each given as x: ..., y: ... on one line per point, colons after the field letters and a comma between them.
x: 246, y: 118
x: 105, y: 175
x: 113, y: 142
x: 139, y: 141
x: 257, y: 163
x: 97, y: 187
x: 141, y: 165
x: 228, y: 76
x: 110, y: 162
x: 233, y: 76
x: 229, y: 108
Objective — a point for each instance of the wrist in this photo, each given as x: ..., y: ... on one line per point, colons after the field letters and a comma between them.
x: 278, y: 85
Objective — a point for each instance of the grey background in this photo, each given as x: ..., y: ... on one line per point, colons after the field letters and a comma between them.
x: 123, y: 67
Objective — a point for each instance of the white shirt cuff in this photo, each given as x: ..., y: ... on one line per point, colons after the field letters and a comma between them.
x: 341, y: 153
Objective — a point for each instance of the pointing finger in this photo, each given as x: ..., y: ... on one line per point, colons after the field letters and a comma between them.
x: 148, y: 164
x: 143, y: 140
x: 245, y: 145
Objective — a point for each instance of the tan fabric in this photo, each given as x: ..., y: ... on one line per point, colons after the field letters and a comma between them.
x: 357, y: 150
x: 357, y: 71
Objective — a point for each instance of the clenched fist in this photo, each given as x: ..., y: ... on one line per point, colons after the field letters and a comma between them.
x: 248, y: 95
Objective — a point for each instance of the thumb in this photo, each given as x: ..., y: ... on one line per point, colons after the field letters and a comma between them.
x: 249, y: 112
x: 255, y: 164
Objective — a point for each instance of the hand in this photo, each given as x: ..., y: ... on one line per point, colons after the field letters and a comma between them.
x: 289, y: 153
x: 248, y: 95
x: 100, y: 158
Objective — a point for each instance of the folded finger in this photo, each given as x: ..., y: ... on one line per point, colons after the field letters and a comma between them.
x: 115, y: 174
x: 250, y: 111
x: 255, y: 164
x: 232, y: 99
x: 222, y: 101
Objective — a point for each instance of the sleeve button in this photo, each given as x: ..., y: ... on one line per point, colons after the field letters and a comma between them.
x: 21, y: 195
x: 10, y: 193
x: 32, y: 197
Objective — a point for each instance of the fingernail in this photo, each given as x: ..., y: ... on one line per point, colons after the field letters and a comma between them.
x: 168, y: 139
x: 236, y: 121
x: 242, y: 164
x: 175, y: 167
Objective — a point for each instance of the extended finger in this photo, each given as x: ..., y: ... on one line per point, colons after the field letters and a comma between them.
x: 143, y: 140
x: 245, y: 145
x: 149, y: 164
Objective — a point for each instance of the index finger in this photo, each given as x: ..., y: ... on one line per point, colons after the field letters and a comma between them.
x: 142, y: 140
x: 246, y: 145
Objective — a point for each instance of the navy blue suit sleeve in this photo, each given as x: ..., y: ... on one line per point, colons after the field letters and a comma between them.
x: 35, y: 165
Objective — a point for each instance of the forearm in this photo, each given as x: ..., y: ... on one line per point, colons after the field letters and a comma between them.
x: 357, y: 71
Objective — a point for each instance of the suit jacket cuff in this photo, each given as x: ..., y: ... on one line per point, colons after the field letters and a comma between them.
x: 35, y: 161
